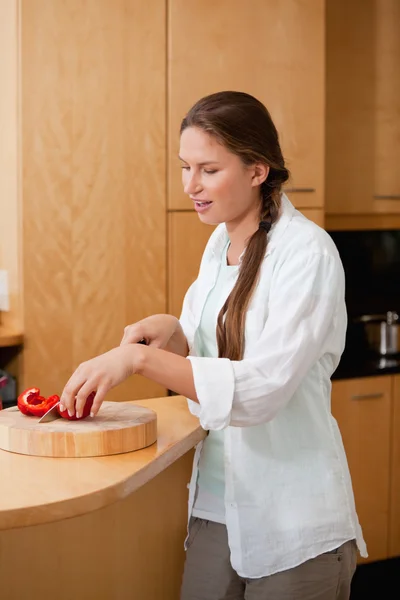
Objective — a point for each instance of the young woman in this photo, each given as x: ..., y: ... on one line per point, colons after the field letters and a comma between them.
x: 262, y: 329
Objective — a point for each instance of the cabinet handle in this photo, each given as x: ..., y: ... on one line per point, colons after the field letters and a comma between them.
x: 368, y: 396
x: 388, y: 197
x: 299, y: 190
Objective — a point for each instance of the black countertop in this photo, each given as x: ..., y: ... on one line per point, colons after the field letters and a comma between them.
x: 368, y: 365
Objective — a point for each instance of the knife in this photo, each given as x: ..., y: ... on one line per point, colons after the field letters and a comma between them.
x: 52, y: 414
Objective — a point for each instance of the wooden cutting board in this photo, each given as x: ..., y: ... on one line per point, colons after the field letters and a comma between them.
x: 118, y: 427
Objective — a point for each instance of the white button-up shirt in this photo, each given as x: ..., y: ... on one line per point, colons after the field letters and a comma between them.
x: 288, y: 492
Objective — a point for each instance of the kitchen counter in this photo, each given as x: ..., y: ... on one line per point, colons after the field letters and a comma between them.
x: 41, y: 490
x: 368, y: 365
x: 10, y: 337
x: 100, y: 528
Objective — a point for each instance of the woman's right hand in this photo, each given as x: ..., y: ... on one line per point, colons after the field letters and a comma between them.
x: 160, y: 331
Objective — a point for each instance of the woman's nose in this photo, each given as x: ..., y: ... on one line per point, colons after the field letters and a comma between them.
x: 191, y: 184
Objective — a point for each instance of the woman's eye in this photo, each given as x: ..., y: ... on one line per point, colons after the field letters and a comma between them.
x: 184, y: 168
x: 210, y: 172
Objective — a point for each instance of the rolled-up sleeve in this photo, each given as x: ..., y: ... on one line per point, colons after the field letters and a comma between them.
x: 306, y: 297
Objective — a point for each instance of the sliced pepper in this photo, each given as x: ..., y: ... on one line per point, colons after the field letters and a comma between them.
x: 31, y: 403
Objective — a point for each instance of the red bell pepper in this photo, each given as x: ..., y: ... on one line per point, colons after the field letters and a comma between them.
x: 86, y: 410
x: 31, y: 403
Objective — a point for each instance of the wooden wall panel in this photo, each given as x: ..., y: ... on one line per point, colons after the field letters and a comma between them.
x: 9, y: 162
x: 94, y: 232
x: 273, y: 50
x: 187, y: 238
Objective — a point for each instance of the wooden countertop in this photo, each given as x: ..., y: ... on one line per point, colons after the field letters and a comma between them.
x: 37, y: 490
x: 9, y: 337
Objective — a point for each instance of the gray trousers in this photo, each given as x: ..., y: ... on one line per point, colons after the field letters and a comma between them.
x: 208, y: 574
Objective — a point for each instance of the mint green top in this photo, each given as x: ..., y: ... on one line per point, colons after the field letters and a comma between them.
x: 209, y: 500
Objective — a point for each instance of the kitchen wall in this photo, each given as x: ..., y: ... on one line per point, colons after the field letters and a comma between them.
x: 91, y: 161
x: 10, y: 209
x: 94, y: 231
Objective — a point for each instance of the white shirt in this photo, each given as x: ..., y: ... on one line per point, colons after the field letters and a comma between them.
x: 288, y: 492
x: 210, y: 489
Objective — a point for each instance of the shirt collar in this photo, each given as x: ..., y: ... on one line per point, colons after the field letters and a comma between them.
x: 287, y: 211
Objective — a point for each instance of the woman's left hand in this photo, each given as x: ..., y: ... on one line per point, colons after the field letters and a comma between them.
x: 99, y: 375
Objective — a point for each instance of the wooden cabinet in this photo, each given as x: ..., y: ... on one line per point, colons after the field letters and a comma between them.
x: 272, y: 50
x: 362, y: 107
x: 9, y: 162
x: 187, y: 238
x: 93, y: 182
x: 394, y: 521
x: 362, y: 408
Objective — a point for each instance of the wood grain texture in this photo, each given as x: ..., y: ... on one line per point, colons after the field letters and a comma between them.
x: 93, y: 104
x: 187, y: 239
x: 362, y: 408
x: 272, y: 50
x: 387, y: 100
x: 394, y: 519
x: 362, y: 106
x: 350, y: 90
x: 39, y: 490
x: 10, y: 209
x: 360, y: 222
x: 9, y: 337
x: 131, y: 550
x: 119, y: 427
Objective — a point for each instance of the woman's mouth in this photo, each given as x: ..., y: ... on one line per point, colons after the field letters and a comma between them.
x: 201, y: 207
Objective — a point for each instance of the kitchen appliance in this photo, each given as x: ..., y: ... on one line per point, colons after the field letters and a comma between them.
x: 118, y: 427
x: 382, y: 332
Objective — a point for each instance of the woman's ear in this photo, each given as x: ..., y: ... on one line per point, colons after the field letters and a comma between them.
x: 260, y: 174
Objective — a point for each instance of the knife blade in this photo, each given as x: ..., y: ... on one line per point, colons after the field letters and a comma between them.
x: 51, y: 415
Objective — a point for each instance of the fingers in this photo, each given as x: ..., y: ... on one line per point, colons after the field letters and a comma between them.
x: 81, y: 398
x: 67, y: 399
x: 74, y: 395
x: 98, y: 400
x: 132, y: 334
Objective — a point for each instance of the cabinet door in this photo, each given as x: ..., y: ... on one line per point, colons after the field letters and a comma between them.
x: 362, y: 408
x: 94, y: 232
x: 362, y: 106
x: 394, y: 521
x: 188, y: 237
x: 272, y: 50
x: 387, y: 106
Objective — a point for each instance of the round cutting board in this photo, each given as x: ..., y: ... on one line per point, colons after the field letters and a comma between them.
x: 118, y: 427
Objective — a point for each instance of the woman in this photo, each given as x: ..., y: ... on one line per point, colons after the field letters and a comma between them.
x: 262, y: 329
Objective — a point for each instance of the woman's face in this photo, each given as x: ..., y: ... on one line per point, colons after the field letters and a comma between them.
x: 222, y: 188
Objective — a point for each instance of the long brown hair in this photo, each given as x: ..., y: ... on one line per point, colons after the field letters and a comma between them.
x: 244, y: 126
